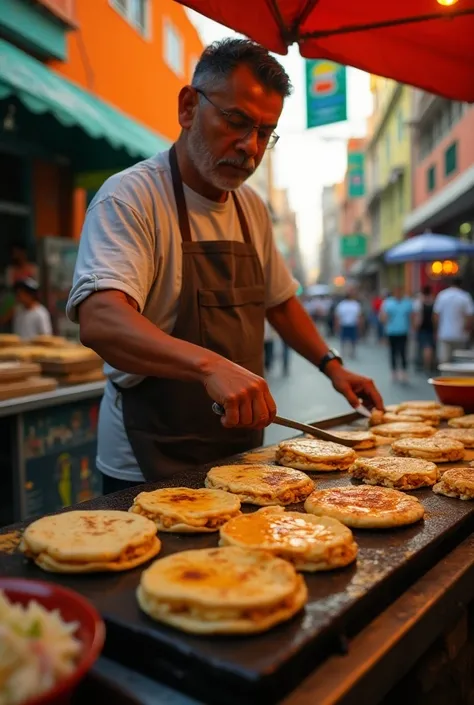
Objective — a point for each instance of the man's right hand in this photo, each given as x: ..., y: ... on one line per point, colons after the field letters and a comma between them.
x: 246, y: 398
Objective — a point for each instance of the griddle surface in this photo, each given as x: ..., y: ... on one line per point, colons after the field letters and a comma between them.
x: 262, y: 668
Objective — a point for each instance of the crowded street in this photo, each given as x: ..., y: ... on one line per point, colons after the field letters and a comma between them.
x: 306, y: 395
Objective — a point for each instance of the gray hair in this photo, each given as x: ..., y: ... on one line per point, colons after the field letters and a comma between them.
x: 221, y: 58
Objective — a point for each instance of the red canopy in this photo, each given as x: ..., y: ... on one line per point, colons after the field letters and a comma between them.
x: 418, y: 42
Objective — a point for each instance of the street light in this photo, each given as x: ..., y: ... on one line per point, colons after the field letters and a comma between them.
x: 447, y: 2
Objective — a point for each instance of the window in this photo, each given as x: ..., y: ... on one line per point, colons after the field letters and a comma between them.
x: 173, y: 47
x: 439, y: 126
x: 431, y: 179
x: 451, y: 159
x: 136, y: 12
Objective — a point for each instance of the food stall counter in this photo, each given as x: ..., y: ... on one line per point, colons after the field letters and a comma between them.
x: 47, y: 451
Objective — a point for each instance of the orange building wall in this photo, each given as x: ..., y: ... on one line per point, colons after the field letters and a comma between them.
x: 109, y: 57
x: 463, y: 133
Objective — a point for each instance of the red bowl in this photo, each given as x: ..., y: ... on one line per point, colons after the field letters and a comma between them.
x: 73, y: 608
x: 458, y: 391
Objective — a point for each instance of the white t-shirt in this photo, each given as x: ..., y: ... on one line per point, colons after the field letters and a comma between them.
x: 131, y: 242
x: 28, y: 323
x: 453, y: 307
x: 348, y: 312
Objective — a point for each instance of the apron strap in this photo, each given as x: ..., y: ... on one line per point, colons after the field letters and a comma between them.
x: 183, y: 218
x: 242, y: 220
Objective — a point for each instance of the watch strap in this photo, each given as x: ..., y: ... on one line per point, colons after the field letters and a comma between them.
x: 329, y: 357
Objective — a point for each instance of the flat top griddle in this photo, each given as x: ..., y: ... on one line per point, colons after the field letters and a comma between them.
x: 262, y: 669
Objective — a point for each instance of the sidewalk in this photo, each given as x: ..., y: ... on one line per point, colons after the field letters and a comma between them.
x: 307, y: 395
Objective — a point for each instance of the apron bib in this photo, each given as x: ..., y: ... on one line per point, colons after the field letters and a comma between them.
x: 170, y: 424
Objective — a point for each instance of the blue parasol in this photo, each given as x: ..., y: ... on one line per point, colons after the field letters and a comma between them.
x: 427, y: 248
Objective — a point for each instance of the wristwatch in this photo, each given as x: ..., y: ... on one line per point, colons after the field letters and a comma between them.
x: 328, y: 357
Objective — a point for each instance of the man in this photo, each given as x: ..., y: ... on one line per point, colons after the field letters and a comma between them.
x: 453, y: 316
x: 349, y: 321
x: 396, y: 315
x: 424, y: 326
x: 30, y: 318
x: 176, y: 271
x: 19, y: 269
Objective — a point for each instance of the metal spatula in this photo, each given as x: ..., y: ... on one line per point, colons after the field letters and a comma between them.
x: 297, y: 426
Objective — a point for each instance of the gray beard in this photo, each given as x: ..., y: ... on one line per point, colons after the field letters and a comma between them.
x: 206, y: 165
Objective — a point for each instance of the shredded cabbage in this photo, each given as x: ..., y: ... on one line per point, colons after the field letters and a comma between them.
x: 37, y: 649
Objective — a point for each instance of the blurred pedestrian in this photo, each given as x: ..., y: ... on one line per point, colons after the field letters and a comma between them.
x: 30, y: 317
x: 377, y: 302
x: 396, y: 315
x: 453, y: 317
x: 269, y: 346
x: 285, y: 353
x: 348, y: 315
x: 424, y: 326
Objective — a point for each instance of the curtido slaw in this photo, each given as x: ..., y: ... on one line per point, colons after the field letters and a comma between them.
x: 37, y: 650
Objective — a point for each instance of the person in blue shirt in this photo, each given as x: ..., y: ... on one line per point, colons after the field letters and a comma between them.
x: 396, y: 315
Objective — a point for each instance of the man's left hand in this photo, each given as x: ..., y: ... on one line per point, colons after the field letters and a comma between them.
x: 355, y: 388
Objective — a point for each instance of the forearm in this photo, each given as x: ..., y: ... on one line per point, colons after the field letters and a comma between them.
x: 297, y: 329
x: 111, y: 325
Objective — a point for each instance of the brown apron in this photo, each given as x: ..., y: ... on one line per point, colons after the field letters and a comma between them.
x: 169, y: 423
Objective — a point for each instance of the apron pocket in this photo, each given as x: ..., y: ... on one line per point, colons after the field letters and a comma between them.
x: 232, y: 321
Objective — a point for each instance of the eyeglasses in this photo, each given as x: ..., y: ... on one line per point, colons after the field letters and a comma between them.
x: 242, y: 126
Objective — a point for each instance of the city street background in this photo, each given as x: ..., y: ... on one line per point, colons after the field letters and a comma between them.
x: 307, y: 395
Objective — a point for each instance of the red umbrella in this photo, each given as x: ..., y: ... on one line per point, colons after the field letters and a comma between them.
x: 426, y: 43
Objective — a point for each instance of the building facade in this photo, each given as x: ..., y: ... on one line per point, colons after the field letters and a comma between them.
x: 388, y: 171
x: 86, y: 88
x: 443, y: 174
x: 330, y: 261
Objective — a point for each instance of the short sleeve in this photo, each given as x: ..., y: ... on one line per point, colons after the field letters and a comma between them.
x: 280, y: 285
x: 469, y: 305
x: 116, y: 251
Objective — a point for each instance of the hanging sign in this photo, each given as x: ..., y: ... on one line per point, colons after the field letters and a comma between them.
x: 326, y: 92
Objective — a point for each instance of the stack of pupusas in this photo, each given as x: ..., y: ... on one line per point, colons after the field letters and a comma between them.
x: 90, y: 541
x: 221, y: 591
x: 185, y: 510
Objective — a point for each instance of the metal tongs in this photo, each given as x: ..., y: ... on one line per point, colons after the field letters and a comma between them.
x: 305, y: 428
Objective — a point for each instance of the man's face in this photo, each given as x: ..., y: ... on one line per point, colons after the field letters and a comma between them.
x: 227, y: 137
x: 23, y: 297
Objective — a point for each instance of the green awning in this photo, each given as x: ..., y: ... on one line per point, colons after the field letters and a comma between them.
x: 43, y: 92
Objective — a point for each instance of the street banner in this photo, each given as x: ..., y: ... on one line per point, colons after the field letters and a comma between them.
x: 326, y: 93
x: 354, y: 245
x: 355, y: 174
